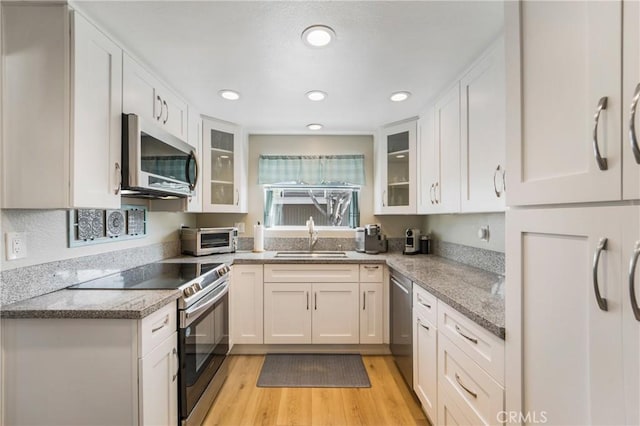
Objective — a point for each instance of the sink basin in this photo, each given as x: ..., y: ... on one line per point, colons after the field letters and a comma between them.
x: 311, y: 254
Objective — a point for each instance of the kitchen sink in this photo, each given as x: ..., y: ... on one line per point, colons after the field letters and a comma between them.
x: 311, y: 254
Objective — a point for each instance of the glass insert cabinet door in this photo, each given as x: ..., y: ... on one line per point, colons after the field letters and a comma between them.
x: 222, y: 152
x: 398, y: 169
x: 400, y: 185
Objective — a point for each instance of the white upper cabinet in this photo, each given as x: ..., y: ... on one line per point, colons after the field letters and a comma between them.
x: 630, y: 95
x: 563, y: 101
x: 62, y: 97
x: 428, y: 161
x: 397, y: 159
x: 146, y: 96
x: 224, y: 168
x: 446, y: 188
x: 482, y: 125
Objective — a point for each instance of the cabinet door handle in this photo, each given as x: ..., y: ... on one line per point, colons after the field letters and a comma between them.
x: 307, y: 293
x: 435, y: 193
x: 504, y: 181
x: 315, y: 301
x: 384, y: 194
x: 364, y: 300
x: 423, y: 303
x: 469, y: 391
x: 166, y: 107
x: 601, y: 161
x: 431, y: 193
x: 632, y: 125
x: 159, y: 99
x: 194, y: 157
x: 175, y: 355
x: 426, y: 327
x: 116, y: 190
x: 602, y: 245
x: 161, y: 326
x: 237, y: 197
x: 471, y: 339
x: 632, y: 289
x: 495, y: 187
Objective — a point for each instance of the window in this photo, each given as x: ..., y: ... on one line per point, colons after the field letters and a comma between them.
x: 323, y: 187
x: 291, y: 205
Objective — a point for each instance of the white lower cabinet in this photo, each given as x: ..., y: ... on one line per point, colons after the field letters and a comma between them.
x: 458, y: 367
x: 572, y: 352
x: 311, y: 313
x: 425, y: 354
x: 371, y: 313
x: 91, y: 371
x: 246, y: 301
x: 158, y: 390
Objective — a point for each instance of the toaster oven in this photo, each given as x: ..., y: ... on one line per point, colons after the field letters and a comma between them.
x: 204, y: 241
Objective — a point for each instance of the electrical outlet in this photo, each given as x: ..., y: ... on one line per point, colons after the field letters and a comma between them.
x: 240, y: 226
x: 15, y: 245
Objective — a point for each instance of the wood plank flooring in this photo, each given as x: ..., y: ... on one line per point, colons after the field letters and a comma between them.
x: 387, y: 402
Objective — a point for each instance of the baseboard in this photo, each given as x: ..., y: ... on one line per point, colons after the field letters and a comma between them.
x: 318, y: 349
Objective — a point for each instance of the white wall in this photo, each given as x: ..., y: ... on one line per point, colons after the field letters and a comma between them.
x: 393, y: 226
x: 47, y: 235
x: 463, y: 229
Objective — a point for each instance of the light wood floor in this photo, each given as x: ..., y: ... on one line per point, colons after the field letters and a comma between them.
x: 387, y: 402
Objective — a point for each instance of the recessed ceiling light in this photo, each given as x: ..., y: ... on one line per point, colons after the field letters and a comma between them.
x: 318, y: 35
x: 230, y: 95
x: 316, y: 95
x: 400, y: 96
x: 314, y: 126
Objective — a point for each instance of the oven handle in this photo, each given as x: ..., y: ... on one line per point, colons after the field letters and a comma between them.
x: 192, y: 314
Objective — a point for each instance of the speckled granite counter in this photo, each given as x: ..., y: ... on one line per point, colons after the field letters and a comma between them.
x: 105, y: 304
x: 474, y: 292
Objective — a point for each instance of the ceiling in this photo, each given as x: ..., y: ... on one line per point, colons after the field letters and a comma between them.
x: 255, y: 47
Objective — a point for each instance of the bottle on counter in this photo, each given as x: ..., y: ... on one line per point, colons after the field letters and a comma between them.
x: 258, y: 238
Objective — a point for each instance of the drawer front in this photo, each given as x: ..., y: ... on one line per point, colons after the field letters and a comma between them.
x: 471, y: 388
x: 325, y: 273
x: 486, y: 349
x: 425, y: 304
x: 371, y: 273
x: 155, y: 328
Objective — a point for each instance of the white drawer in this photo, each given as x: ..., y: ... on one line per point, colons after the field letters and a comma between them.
x: 371, y: 273
x: 478, y: 397
x: 451, y: 414
x: 485, y: 348
x: 307, y: 273
x: 155, y: 328
x: 425, y: 304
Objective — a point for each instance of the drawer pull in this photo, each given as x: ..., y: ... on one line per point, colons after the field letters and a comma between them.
x: 469, y: 391
x: 426, y: 327
x: 471, y: 339
x: 371, y: 266
x: 161, y: 326
x: 423, y: 303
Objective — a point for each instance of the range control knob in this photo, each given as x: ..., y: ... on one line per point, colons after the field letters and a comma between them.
x: 188, y: 292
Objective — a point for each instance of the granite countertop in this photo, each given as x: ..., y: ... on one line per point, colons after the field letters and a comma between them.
x: 104, y: 304
x: 474, y: 292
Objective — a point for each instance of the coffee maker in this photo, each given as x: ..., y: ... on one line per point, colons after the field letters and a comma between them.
x: 412, y: 241
x: 374, y: 241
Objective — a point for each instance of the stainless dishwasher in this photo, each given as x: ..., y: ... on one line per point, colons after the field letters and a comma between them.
x: 401, y: 324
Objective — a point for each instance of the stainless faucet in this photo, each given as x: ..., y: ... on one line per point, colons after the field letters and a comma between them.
x: 313, y: 234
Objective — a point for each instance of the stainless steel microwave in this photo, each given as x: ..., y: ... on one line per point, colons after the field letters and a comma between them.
x: 155, y: 164
x: 204, y: 241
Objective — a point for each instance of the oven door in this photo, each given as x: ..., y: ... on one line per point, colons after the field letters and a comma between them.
x: 203, y: 343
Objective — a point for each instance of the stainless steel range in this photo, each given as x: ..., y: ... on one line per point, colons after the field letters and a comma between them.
x: 203, y: 329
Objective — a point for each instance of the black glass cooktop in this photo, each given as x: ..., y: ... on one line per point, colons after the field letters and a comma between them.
x: 153, y: 276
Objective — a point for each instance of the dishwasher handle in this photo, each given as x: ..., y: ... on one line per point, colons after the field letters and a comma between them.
x: 399, y: 285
